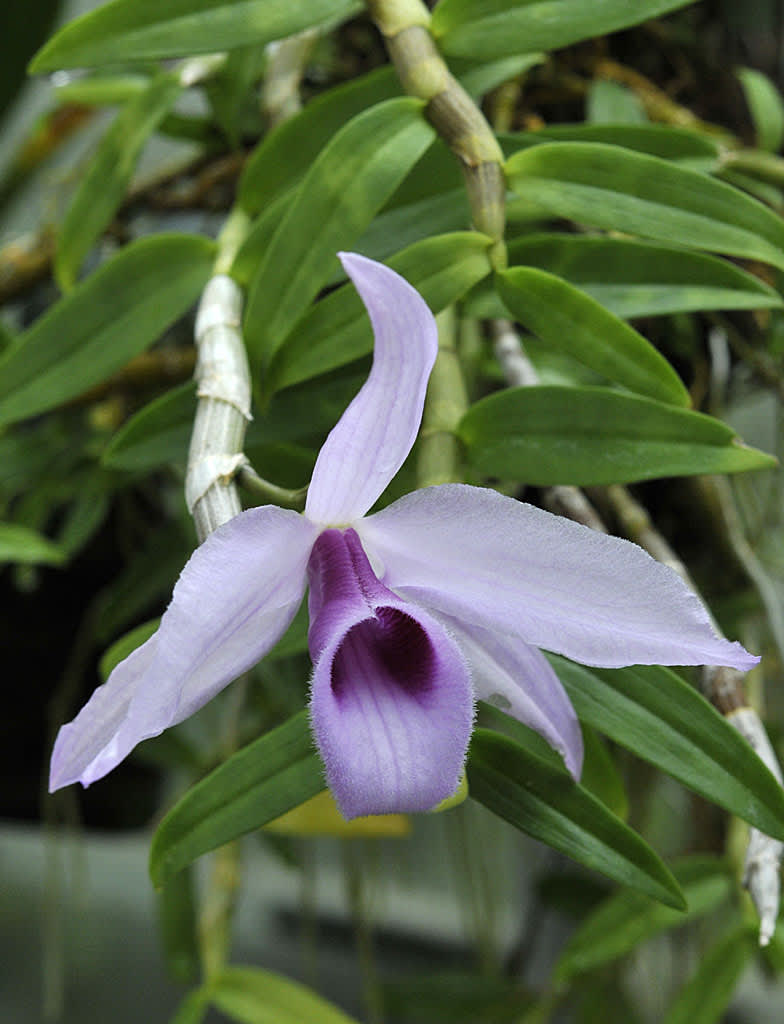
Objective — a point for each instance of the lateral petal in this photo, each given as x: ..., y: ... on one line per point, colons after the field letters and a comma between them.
x: 391, y: 700
x: 494, y: 562
x: 374, y: 435
x: 235, y: 597
x: 518, y: 679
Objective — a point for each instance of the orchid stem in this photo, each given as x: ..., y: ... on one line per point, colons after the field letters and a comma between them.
x: 452, y: 112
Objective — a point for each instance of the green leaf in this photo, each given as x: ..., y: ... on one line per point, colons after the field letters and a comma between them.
x: 766, y: 106
x: 628, y: 918
x: 346, y: 186
x: 156, y: 435
x: 276, y: 772
x: 121, y: 648
x: 522, y: 781
x: 567, y: 318
x: 177, y: 923
x: 103, y: 187
x: 634, y: 278
x: 679, y: 145
x: 20, y: 544
x: 485, y: 29
x: 617, y: 189
x: 705, y: 997
x: 193, y: 1008
x: 594, y: 435
x: 337, y: 329
x: 103, y: 89
x: 283, y: 156
x: 127, y: 30
x: 107, y: 319
x: 652, y: 712
x: 479, y: 79
x: 254, y: 996
x: 612, y: 103
x: 600, y: 775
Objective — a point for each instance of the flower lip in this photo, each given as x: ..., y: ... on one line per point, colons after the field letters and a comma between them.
x: 391, y: 702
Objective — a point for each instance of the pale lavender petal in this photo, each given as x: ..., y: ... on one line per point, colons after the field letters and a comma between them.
x: 518, y: 679
x: 234, y: 599
x: 494, y: 562
x: 81, y: 741
x: 391, y: 700
x: 374, y: 435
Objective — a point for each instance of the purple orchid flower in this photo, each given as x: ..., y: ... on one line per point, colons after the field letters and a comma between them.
x: 441, y: 597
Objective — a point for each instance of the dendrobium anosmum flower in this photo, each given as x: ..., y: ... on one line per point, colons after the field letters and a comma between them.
x: 443, y: 596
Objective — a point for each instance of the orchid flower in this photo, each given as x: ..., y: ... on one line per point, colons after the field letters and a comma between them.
x: 444, y: 596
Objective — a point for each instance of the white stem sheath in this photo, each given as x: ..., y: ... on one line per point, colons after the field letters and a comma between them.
x: 223, y: 410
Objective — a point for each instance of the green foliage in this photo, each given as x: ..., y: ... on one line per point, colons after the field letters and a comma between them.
x: 128, y: 30
x: 609, y: 187
x: 569, y: 319
x: 104, y: 185
x: 657, y: 716
x: 257, y: 784
x: 524, y: 782
x: 349, y: 182
x: 626, y: 919
x: 109, y: 317
x: 594, y: 435
x: 253, y: 996
x: 499, y: 28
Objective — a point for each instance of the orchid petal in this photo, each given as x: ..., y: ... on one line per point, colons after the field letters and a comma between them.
x: 494, y: 562
x: 235, y: 597
x: 391, y: 701
x: 374, y: 435
x: 519, y: 680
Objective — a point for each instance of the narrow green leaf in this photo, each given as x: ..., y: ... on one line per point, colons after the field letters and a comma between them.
x: 283, y: 156
x: 337, y: 330
x: 107, y: 319
x: 177, y: 923
x: 594, y: 435
x: 657, y: 716
x: 349, y: 182
x: 535, y: 793
x: 766, y: 106
x: 501, y: 28
x: 109, y: 174
x: 276, y: 772
x: 617, y: 189
x: 20, y: 544
x: 254, y: 996
x: 679, y: 145
x: 567, y: 318
x: 156, y: 435
x: 600, y: 776
x: 706, y: 996
x: 634, y: 278
x: 127, y: 30
x: 628, y: 918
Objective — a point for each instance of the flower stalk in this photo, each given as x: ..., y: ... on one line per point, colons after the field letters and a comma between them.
x: 439, y: 454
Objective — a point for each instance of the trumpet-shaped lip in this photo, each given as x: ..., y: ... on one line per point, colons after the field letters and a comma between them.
x: 391, y: 698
